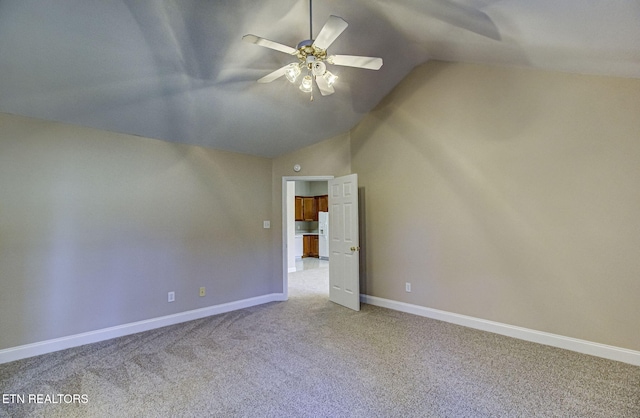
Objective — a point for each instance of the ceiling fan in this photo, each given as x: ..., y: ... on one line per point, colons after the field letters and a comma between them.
x: 313, y: 58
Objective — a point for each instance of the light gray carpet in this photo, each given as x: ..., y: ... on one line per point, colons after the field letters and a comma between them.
x: 310, y: 358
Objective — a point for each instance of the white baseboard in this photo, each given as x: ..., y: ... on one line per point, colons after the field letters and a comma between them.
x: 49, y: 346
x: 554, y: 340
x: 581, y: 346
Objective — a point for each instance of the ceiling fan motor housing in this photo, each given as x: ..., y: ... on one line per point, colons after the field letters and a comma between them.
x: 307, y: 49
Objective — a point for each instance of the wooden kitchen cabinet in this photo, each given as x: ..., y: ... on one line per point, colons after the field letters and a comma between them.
x: 315, y: 247
x: 299, y: 209
x: 310, y: 247
x: 310, y: 211
x: 322, y: 203
x: 307, y: 207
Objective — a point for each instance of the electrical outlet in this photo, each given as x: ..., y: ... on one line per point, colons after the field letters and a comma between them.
x: 203, y: 291
x: 407, y: 287
x: 171, y: 297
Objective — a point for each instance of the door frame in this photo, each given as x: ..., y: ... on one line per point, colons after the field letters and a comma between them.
x: 285, y: 265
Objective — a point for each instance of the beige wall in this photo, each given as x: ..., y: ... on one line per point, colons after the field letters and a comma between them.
x: 97, y: 227
x: 327, y: 158
x: 507, y: 194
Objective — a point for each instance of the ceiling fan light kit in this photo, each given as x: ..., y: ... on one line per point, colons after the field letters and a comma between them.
x: 318, y: 68
x: 312, y: 57
x: 331, y: 78
x: 307, y: 84
x: 292, y: 72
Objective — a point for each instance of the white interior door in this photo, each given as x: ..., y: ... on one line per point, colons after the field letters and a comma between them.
x: 344, y: 246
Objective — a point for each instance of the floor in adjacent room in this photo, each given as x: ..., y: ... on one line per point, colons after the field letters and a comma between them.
x: 311, y: 275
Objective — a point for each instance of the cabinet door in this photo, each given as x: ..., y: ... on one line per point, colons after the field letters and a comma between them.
x: 310, y: 211
x: 323, y: 203
x: 310, y: 244
x: 306, y: 245
x: 315, y: 251
x: 299, y: 209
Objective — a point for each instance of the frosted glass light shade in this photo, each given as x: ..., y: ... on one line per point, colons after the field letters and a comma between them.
x: 306, y: 84
x: 318, y: 68
x: 331, y: 78
x: 292, y: 72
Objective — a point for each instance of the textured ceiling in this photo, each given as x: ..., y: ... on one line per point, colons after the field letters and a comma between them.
x: 178, y: 70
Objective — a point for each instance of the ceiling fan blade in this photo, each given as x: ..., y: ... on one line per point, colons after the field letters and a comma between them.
x: 370, y: 63
x: 274, y: 75
x: 330, y: 31
x: 253, y: 39
x: 323, y: 86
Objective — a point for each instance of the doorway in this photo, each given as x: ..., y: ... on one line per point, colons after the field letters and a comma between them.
x: 344, y: 237
x: 311, y: 270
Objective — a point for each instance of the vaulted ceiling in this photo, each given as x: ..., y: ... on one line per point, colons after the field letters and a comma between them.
x: 177, y: 70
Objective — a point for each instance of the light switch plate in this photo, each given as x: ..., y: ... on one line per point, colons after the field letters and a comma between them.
x: 266, y: 224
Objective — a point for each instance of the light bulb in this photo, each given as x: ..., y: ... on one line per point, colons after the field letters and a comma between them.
x: 306, y: 84
x: 292, y: 72
x: 331, y: 78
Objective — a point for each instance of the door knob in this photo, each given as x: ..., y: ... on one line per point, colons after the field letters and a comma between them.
x: 355, y: 248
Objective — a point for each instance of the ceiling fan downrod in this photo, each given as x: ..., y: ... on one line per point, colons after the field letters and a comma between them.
x: 310, y: 19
